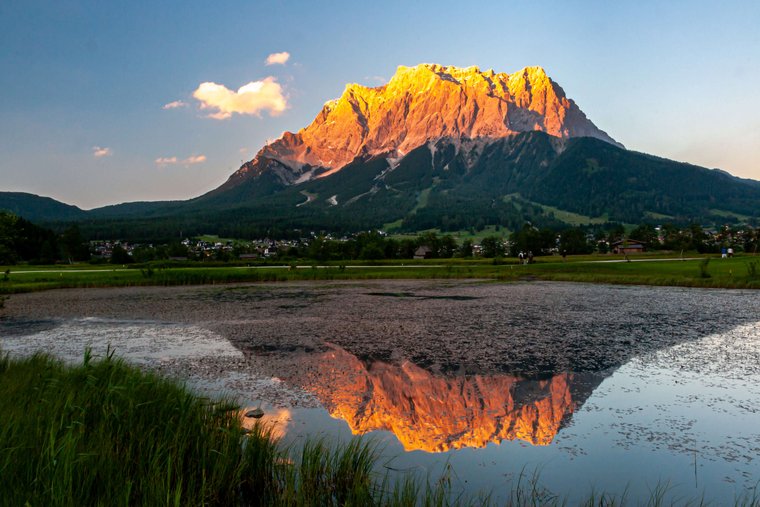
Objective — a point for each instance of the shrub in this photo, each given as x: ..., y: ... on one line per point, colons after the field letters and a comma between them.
x: 752, y: 269
x: 703, y: 268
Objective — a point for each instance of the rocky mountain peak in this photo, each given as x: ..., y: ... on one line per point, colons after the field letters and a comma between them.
x: 423, y: 103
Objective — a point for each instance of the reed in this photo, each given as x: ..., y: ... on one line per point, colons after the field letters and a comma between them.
x: 106, y: 433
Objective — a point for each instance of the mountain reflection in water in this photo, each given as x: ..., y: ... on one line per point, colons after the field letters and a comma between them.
x: 438, y: 413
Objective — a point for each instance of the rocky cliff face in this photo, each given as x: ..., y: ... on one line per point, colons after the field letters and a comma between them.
x: 434, y: 413
x: 420, y: 104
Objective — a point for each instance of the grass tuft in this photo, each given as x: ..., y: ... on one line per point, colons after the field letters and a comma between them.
x: 106, y: 433
x: 703, y: 268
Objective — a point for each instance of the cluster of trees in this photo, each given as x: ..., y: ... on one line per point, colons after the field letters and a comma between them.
x: 695, y: 238
x: 147, y: 253
x: 23, y: 241
x: 541, y: 241
x: 528, y: 238
x: 585, y: 240
x: 570, y: 241
x: 373, y: 245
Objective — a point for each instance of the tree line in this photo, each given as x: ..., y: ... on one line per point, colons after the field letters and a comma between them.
x: 23, y: 241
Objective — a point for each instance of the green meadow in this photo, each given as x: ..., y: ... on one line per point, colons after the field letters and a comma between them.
x: 689, y: 271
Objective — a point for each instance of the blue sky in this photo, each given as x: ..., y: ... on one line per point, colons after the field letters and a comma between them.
x: 84, y: 83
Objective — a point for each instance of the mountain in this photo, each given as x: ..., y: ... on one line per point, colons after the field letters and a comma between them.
x: 453, y: 184
x: 39, y: 209
x: 418, y: 105
x: 455, y: 148
x: 443, y: 148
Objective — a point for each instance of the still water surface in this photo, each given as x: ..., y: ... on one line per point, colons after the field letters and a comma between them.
x: 595, y: 387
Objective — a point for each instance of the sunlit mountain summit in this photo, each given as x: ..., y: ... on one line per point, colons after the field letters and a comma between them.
x: 422, y: 104
x: 437, y: 147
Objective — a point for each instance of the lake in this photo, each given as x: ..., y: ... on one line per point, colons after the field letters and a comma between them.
x: 586, y: 387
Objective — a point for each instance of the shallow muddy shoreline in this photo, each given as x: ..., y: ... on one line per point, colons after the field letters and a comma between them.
x: 532, y: 329
x: 236, y: 338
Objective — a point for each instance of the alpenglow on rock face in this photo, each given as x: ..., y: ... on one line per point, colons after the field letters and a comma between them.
x: 420, y: 104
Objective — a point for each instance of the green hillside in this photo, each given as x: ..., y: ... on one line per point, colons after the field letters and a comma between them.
x: 37, y: 208
x: 454, y: 187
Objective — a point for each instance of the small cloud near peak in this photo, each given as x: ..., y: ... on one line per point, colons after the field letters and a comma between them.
x: 195, y: 159
x: 278, y: 58
x: 191, y: 160
x: 251, y: 99
x: 162, y: 161
x: 100, y: 152
x: 174, y: 105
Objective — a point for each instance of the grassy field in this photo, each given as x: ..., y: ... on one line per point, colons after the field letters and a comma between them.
x: 730, y: 214
x: 705, y: 272
x: 213, y: 238
x: 701, y: 271
x: 475, y: 236
x: 565, y: 216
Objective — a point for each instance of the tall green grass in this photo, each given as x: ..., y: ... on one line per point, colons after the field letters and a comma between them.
x: 105, y: 433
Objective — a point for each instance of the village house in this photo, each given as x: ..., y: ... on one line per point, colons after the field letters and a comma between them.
x: 628, y: 246
x: 423, y: 252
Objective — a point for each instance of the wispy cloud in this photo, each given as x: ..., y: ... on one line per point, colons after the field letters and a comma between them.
x: 166, y: 161
x: 278, y: 58
x: 256, y: 96
x: 195, y: 159
x: 100, y: 152
x: 174, y: 105
x: 191, y: 160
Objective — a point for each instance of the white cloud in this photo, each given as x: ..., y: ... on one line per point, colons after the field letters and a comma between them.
x: 162, y: 161
x: 100, y: 152
x: 278, y: 58
x: 195, y: 159
x: 191, y: 160
x: 174, y: 105
x: 256, y: 96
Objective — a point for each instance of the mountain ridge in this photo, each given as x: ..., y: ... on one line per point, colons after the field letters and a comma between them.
x: 420, y: 104
x: 445, y: 148
x: 507, y: 182
x: 35, y: 208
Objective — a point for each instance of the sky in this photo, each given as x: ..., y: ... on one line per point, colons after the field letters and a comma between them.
x: 109, y: 102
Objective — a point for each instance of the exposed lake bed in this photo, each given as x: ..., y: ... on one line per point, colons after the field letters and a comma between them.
x: 595, y: 386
